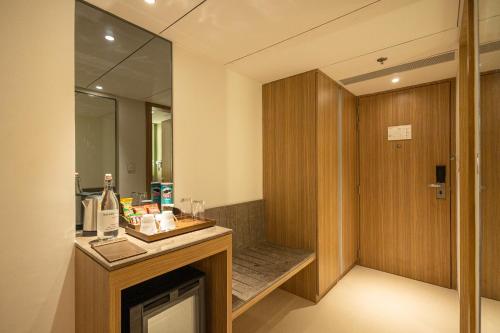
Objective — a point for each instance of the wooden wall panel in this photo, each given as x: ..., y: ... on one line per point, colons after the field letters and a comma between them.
x: 327, y: 187
x: 302, y: 155
x: 405, y: 230
x: 350, y: 171
x: 490, y: 181
x: 453, y: 183
x: 466, y: 148
x: 289, y: 172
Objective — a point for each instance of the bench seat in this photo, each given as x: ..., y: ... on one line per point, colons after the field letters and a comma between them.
x: 261, y: 268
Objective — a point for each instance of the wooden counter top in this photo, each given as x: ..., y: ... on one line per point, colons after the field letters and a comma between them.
x: 153, y: 249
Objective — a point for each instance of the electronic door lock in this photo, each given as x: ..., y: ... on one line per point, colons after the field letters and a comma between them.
x: 440, y: 190
x: 440, y: 184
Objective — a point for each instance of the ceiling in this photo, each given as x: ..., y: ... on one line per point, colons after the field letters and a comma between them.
x: 136, y: 64
x: 94, y: 106
x: 268, y: 40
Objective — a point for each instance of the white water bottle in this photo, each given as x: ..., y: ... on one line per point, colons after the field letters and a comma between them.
x: 108, y: 212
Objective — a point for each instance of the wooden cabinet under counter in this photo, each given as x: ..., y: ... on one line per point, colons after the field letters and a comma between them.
x: 98, y: 283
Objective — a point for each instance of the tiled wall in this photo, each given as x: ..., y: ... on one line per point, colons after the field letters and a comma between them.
x: 246, y: 219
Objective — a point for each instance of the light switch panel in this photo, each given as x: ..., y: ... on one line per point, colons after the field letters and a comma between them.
x: 131, y: 167
x: 402, y: 132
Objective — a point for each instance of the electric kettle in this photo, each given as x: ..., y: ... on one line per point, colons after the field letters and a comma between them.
x: 90, y: 205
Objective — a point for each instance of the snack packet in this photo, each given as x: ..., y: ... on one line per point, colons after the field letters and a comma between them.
x: 127, y: 207
x: 140, y: 210
x: 152, y: 208
x: 135, y: 219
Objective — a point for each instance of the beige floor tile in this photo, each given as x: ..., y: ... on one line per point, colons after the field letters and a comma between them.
x: 365, y: 300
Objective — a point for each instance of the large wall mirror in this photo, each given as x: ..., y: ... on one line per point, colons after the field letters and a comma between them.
x: 123, y: 97
x: 489, y: 68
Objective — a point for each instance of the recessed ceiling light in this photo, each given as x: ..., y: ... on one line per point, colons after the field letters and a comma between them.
x: 109, y: 37
x: 151, y: 2
x: 395, y: 80
x: 98, y: 87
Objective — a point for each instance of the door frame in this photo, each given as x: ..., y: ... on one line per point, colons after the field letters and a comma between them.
x: 149, y: 144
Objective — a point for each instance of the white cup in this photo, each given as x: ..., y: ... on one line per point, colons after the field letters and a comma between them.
x: 148, y: 224
x: 161, y: 222
x: 167, y: 220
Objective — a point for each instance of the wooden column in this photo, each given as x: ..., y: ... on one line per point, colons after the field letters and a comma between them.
x: 466, y: 125
x: 302, y: 158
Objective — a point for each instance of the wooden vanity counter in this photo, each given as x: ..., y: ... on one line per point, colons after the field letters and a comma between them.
x: 99, y: 283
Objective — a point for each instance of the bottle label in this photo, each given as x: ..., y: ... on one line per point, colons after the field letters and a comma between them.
x: 108, y: 220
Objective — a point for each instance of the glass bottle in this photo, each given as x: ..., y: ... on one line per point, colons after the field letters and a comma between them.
x: 78, y: 188
x: 107, y: 215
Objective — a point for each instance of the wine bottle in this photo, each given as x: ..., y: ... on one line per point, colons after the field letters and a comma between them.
x: 107, y: 215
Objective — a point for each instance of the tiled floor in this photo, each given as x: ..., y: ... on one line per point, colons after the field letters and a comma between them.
x: 365, y: 300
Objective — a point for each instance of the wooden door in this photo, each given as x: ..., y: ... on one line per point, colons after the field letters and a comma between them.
x: 404, y: 228
x: 490, y: 180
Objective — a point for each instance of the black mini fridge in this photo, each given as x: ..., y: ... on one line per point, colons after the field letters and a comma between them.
x: 170, y: 303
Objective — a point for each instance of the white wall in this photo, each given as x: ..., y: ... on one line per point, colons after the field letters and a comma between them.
x: 37, y: 166
x: 217, y: 147
x: 95, y: 146
x: 131, y: 145
x: 217, y: 132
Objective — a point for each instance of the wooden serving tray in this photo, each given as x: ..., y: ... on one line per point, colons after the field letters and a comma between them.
x: 183, y: 226
x: 117, y: 249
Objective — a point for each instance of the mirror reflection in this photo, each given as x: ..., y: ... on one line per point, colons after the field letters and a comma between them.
x: 123, y: 117
x: 489, y: 67
x: 95, y: 141
x: 161, y: 135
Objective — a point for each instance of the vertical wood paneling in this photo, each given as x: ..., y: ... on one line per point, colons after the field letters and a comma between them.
x: 302, y: 156
x: 466, y: 123
x: 289, y: 157
x: 327, y: 186
x: 405, y: 230
x: 490, y: 181
x: 350, y: 198
x: 453, y: 183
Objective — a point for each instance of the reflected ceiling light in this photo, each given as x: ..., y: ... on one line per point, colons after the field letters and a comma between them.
x: 395, y: 80
x: 151, y: 2
x: 98, y: 87
x: 109, y: 37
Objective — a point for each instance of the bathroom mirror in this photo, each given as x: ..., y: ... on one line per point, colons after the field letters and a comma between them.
x: 489, y: 68
x: 123, y: 103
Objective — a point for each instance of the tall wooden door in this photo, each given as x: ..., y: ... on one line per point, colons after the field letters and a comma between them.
x: 404, y: 227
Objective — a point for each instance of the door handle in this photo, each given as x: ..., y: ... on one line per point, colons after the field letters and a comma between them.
x: 440, y: 190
